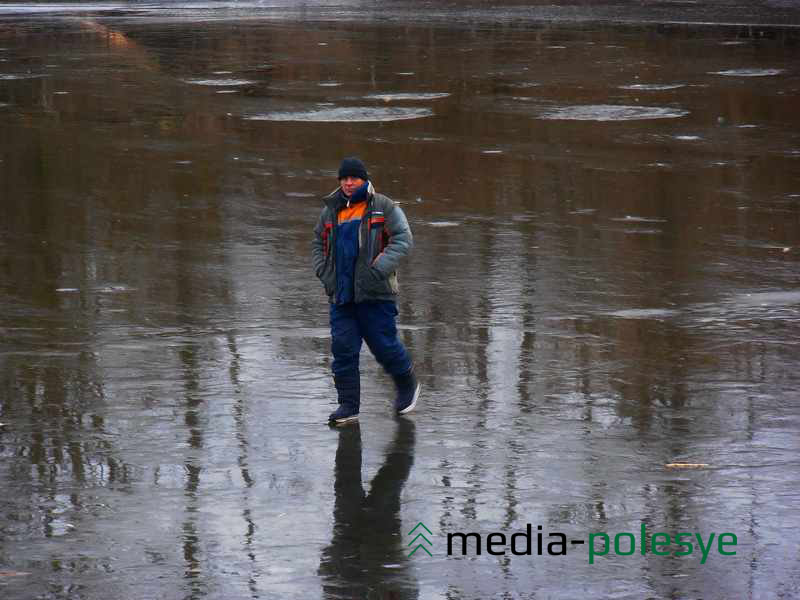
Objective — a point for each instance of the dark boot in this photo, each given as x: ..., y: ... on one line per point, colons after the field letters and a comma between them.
x: 407, y: 392
x: 348, y: 388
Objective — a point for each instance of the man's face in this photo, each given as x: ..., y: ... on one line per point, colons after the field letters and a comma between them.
x: 350, y: 184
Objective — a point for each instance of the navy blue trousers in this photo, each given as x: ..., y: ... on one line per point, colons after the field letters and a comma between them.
x: 373, y: 323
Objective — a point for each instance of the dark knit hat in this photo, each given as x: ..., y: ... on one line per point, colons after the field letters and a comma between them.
x: 353, y: 167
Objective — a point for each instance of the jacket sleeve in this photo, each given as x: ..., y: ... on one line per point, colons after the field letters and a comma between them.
x: 317, y: 250
x: 400, y: 242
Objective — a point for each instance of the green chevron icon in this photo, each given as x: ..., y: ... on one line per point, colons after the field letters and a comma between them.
x: 420, y: 535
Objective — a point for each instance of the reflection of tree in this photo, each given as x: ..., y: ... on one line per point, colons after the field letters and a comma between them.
x: 191, y: 537
x: 367, y: 558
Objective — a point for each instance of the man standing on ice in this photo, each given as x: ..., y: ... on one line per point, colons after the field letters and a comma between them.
x: 359, y: 239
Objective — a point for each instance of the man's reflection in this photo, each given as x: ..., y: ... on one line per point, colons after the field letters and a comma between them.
x: 367, y: 557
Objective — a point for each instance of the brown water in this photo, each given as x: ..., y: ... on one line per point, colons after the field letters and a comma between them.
x: 606, y: 213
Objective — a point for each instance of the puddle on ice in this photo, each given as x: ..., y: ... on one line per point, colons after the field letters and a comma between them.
x: 403, y: 96
x: 748, y: 72
x: 687, y: 138
x: 652, y: 87
x: 349, y: 114
x: 610, y: 112
x: 329, y: 84
x: 219, y: 82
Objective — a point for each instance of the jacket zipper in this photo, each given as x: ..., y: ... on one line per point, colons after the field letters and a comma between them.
x: 368, y: 260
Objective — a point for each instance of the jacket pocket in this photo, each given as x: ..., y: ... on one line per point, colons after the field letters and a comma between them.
x: 328, y: 277
x: 375, y: 283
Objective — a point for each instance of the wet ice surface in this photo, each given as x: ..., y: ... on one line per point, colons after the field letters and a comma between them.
x: 591, y: 297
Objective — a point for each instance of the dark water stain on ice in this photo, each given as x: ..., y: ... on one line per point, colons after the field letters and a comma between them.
x: 604, y: 201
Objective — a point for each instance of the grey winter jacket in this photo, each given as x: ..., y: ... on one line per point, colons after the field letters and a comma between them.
x: 384, y: 238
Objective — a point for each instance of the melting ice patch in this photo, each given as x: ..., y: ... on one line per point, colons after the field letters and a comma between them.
x: 780, y: 298
x: 112, y: 289
x: 634, y: 219
x: 611, y: 112
x: 219, y: 82
x: 347, y: 114
x: 748, y: 72
x: 103, y: 289
x: 15, y: 76
x: 653, y: 87
x: 402, y: 96
x: 642, y: 313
